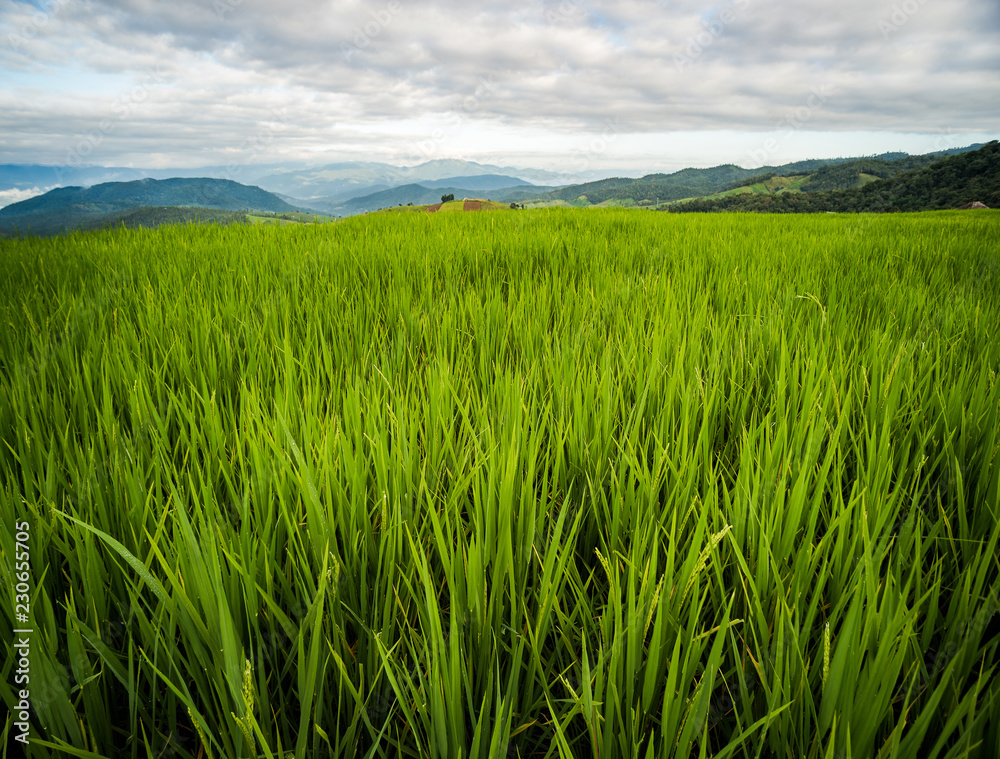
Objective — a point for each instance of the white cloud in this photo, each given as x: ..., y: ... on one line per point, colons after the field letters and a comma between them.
x: 16, y: 196
x: 372, y: 78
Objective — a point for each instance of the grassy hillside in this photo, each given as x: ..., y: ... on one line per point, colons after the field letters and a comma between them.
x: 946, y: 183
x: 554, y: 483
x: 418, y: 195
x: 451, y: 206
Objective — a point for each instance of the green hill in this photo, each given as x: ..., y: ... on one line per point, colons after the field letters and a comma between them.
x: 68, y: 208
x: 845, y: 176
x: 802, y: 176
x: 945, y: 183
x: 653, y: 189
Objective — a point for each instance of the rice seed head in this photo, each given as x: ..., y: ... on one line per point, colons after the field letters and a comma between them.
x: 248, y: 687
x: 703, y: 559
x: 826, y: 653
x: 246, y: 723
x: 201, y: 734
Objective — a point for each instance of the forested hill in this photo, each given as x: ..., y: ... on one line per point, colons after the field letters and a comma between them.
x: 665, y: 187
x: 814, y: 175
x: 948, y: 183
x: 68, y: 208
x: 116, y: 196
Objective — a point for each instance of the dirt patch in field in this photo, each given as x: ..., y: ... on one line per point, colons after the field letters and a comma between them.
x: 472, y: 205
x: 435, y: 207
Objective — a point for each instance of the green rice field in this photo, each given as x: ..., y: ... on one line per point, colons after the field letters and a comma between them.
x: 543, y: 483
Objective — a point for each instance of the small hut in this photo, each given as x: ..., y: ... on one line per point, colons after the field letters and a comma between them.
x: 974, y: 204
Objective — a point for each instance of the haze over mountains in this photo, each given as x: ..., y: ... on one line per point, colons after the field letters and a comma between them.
x: 330, y: 187
x: 328, y: 183
x: 893, y: 181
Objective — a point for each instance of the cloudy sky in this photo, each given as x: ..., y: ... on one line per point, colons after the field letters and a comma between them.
x: 570, y: 85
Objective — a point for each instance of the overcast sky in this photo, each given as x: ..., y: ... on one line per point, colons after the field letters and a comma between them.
x: 562, y: 84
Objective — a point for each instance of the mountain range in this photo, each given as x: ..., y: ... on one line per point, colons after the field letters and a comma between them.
x: 894, y: 181
x: 353, y: 187
x: 329, y: 183
x: 486, y: 187
x: 342, y: 181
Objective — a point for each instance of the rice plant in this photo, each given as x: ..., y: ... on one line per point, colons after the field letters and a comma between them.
x: 539, y: 483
